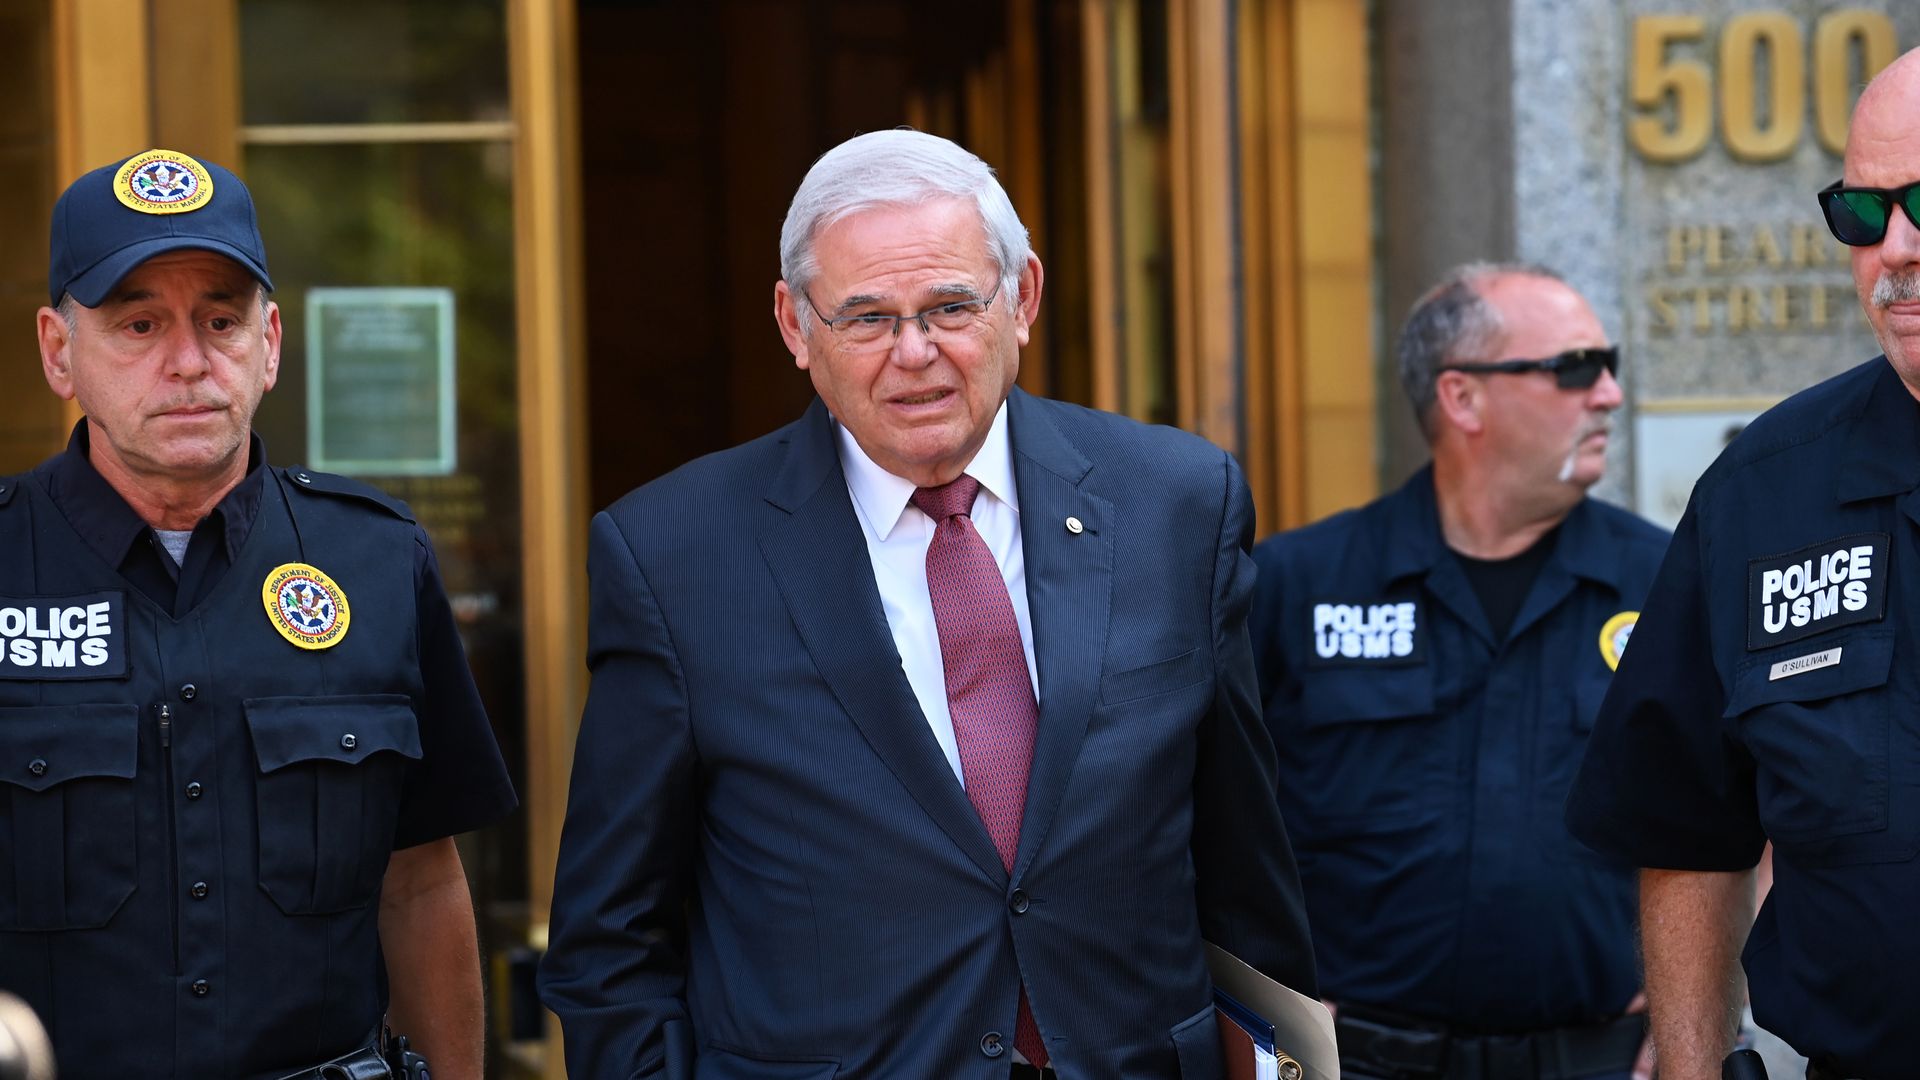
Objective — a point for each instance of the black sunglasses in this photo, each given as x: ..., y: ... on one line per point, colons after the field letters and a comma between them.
x: 1575, y: 369
x: 1859, y: 216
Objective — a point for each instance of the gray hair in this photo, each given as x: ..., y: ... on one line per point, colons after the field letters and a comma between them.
x: 898, y: 167
x: 1452, y: 322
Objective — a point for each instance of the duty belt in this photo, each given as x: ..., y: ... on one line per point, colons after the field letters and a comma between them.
x: 363, y: 1064
x: 1373, y: 1046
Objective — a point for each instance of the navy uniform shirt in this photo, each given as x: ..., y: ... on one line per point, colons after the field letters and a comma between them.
x: 195, y: 812
x: 1424, y: 764
x: 1773, y: 692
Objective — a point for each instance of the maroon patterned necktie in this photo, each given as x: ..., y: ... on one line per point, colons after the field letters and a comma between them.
x: 988, y: 691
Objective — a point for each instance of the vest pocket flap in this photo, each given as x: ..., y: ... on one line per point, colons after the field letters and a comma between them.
x: 41, y: 746
x: 1812, y: 670
x: 1357, y: 696
x: 287, y: 730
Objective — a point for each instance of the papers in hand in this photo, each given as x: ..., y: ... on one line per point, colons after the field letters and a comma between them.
x: 1277, y: 1023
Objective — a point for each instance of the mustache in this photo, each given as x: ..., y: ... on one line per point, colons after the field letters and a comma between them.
x: 193, y: 403
x: 1896, y: 287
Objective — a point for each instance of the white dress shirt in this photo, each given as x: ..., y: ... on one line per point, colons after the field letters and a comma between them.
x: 897, y: 535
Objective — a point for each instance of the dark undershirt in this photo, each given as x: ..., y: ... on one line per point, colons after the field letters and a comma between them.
x: 1502, y: 584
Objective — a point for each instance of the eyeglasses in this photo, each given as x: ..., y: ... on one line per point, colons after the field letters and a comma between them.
x: 1575, y: 369
x: 873, y: 328
x: 1859, y: 216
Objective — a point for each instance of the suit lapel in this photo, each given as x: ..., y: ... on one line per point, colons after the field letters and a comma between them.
x: 1069, y: 582
x: 819, y: 561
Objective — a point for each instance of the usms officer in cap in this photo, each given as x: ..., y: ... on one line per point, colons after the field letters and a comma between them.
x: 237, y: 728
x: 1773, y: 688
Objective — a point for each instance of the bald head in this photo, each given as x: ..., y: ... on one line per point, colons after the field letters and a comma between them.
x: 1886, y: 115
x: 1883, y: 151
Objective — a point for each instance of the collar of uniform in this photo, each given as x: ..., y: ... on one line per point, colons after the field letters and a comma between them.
x: 1413, y: 529
x: 1888, y: 418
x: 110, y: 527
x: 882, y: 498
x: 1585, y: 546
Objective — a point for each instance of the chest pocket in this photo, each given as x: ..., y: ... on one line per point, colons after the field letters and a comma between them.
x: 331, y: 775
x: 1820, y: 741
x: 1364, y: 751
x: 66, y: 814
x: 1559, y: 749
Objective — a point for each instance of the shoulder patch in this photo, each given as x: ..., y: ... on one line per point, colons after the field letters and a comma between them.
x: 301, y: 478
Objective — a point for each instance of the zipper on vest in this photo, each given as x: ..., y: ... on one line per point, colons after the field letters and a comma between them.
x: 173, y: 839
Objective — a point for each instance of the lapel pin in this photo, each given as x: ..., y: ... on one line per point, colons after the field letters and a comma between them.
x: 1074, y: 526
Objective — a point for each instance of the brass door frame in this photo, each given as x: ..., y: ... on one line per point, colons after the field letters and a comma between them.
x: 549, y: 278
x: 1272, y: 307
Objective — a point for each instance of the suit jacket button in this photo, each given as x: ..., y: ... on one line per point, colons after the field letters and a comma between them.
x: 1019, y: 902
x: 201, y: 987
x: 37, y: 767
x: 992, y: 1045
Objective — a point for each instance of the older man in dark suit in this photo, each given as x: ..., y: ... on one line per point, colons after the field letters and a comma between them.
x: 924, y: 737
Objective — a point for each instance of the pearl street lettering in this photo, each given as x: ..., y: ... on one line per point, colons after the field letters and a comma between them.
x: 63, y: 637
x: 1818, y: 588
x: 1367, y: 633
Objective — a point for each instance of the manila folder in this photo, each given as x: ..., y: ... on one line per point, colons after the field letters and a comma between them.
x: 1302, y: 1026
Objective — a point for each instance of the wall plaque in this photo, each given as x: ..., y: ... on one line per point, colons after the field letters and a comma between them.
x: 380, y: 381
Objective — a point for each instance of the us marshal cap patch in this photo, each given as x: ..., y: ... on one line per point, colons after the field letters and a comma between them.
x: 306, y: 606
x: 1818, y: 588
x: 163, y: 182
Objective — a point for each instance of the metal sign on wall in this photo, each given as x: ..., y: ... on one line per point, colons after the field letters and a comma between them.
x: 380, y: 381
x: 1733, y: 294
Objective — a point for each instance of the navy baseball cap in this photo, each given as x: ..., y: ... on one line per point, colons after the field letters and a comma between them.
x: 119, y: 216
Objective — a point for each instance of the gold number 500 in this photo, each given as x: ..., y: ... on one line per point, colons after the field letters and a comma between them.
x: 1686, y: 83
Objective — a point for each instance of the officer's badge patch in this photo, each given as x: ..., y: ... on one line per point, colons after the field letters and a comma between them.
x: 1818, y: 588
x: 1614, y: 635
x: 163, y: 182
x: 305, y: 605
x: 1383, y: 632
x: 63, y: 637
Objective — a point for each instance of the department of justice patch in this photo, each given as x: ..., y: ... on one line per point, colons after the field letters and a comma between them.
x: 1818, y: 588
x: 305, y: 605
x: 1383, y: 632
x: 163, y: 182
x: 1614, y: 635
x: 63, y: 637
